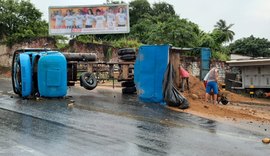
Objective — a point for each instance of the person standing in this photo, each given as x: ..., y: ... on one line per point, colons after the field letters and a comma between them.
x: 89, y: 19
x: 205, y: 79
x: 69, y: 19
x: 58, y: 19
x: 184, y: 77
x: 212, y: 84
x: 110, y: 18
x: 121, y: 18
x: 100, y: 20
x: 79, y: 18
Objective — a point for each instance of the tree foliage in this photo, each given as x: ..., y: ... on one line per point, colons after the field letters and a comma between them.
x: 215, y: 40
x: 175, y: 31
x: 138, y: 9
x: 19, y: 19
x: 251, y: 46
x: 160, y: 25
x: 162, y: 7
x: 222, y: 32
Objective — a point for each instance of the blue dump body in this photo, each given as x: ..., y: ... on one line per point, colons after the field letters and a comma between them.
x: 26, y: 75
x: 149, y: 69
x: 205, y: 62
x: 52, y: 74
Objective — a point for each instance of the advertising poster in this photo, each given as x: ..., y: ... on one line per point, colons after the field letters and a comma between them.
x: 98, y: 19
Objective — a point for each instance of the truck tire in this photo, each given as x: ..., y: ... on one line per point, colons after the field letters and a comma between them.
x: 129, y: 90
x: 88, y: 80
x: 126, y: 51
x: 15, y: 72
x: 128, y: 57
x: 128, y: 84
x: 259, y: 93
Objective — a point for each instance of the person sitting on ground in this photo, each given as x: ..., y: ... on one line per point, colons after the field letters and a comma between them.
x: 212, y: 84
x: 184, y: 76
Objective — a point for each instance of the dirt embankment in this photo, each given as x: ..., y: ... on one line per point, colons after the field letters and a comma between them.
x: 240, y: 108
x: 5, y: 72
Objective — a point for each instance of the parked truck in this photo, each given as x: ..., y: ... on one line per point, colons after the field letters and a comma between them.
x: 254, y: 75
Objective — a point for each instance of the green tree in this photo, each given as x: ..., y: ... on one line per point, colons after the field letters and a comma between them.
x: 138, y: 9
x: 162, y: 7
x: 175, y: 31
x: 222, y: 32
x: 19, y: 20
x: 251, y: 46
x: 141, y: 30
x: 207, y: 40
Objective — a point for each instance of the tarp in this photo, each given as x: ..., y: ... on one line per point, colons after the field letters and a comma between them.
x: 171, y: 95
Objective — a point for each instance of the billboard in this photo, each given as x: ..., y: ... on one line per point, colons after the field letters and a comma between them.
x: 95, y: 19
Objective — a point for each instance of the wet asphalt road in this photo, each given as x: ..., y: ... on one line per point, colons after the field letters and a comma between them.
x: 103, y: 122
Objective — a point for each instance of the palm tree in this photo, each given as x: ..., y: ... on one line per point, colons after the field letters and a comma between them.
x: 227, y: 34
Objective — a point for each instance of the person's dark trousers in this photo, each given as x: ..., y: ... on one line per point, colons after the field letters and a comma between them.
x: 183, y: 84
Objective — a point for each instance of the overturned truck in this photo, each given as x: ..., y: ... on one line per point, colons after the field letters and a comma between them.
x: 47, y: 73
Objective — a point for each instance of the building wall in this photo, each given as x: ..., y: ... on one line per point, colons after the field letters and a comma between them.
x: 101, y: 50
x: 6, y: 53
x: 192, y: 64
x: 5, y: 56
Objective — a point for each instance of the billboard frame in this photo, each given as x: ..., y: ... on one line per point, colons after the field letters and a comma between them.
x: 82, y: 31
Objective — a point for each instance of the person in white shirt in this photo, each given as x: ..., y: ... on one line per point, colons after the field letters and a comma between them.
x: 110, y: 18
x: 121, y: 18
x: 79, y: 18
x: 100, y: 20
x: 58, y: 19
x: 89, y: 19
x: 212, y: 84
x: 69, y: 19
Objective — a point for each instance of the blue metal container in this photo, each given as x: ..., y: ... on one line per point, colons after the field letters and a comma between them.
x: 52, y: 74
x: 205, y: 62
x: 149, y: 69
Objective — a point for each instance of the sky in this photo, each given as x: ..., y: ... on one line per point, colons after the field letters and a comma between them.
x: 250, y: 17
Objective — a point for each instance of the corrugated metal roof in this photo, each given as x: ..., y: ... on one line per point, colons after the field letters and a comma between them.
x: 250, y: 62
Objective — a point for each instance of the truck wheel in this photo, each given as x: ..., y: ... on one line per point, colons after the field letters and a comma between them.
x: 15, y: 73
x: 259, y: 93
x: 88, y: 80
x: 128, y: 84
x: 129, y: 90
x: 126, y: 51
x: 128, y: 57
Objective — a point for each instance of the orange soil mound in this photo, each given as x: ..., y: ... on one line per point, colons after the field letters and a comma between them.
x: 234, y: 110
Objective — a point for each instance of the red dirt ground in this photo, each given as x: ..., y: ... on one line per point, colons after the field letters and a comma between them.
x: 239, y: 108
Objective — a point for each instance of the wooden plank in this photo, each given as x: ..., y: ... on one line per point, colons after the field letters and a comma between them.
x: 90, y: 68
x: 124, y: 71
x: 175, y: 60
